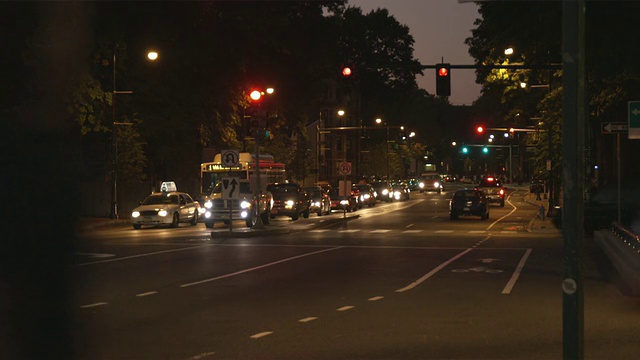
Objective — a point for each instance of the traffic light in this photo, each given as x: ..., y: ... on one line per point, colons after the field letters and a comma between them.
x: 465, y: 150
x: 443, y: 79
x: 346, y: 71
x: 485, y: 150
x: 480, y: 129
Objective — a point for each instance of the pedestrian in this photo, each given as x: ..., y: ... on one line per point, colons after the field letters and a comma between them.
x: 538, y: 192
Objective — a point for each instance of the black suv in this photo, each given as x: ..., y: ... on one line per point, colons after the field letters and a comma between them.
x: 289, y: 199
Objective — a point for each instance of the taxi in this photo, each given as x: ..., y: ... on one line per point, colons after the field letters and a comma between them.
x: 168, y: 207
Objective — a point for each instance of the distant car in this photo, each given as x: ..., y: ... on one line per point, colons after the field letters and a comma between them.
x: 320, y: 200
x: 347, y: 202
x: 289, y: 199
x: 431, y: 183
x: 400, y: 192
x: 468, y: 202
x: 166, y: 208
x: 493, y: 189
x: 383, y: 190
x: 367, y: 194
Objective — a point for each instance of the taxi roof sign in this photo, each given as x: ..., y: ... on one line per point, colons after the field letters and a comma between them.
x: 168, y: 186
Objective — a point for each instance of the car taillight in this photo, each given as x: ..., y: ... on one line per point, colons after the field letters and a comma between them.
x: 501, y: 191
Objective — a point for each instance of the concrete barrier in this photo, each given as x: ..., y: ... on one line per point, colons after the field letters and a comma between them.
x: 622, y: 247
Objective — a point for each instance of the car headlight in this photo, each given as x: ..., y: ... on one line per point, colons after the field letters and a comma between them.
x: 316, y: 204
x: 344, y: 202
x: 245, y: 204
x: 385, y: 192
x: 436, y: 184
x: 208, y: 204
x: 421, y: 185
x: 367, y: 196
x: 201, y: 210
x: 289, y: 204
x: 135, y: 214
x: 162, y: 213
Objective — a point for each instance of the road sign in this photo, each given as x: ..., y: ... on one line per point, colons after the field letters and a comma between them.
x: 614, y: 127
x: 230, y: 188
x: 634, y: 119
x: 230, y: 158
x: 344, y: 168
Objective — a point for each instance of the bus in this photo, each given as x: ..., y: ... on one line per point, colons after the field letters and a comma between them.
x: 212, y: 172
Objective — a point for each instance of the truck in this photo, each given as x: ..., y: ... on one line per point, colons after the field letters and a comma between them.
x: 245, y: 205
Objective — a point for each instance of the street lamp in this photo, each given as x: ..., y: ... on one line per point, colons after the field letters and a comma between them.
x: 379, y: 122
x: 152, y: 56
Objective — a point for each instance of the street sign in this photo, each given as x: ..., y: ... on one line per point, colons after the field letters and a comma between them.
x: 230, y: 158
x: 231, y: 188
x: 344, y: 168
x: 614, y: 127
x: 634, y: 119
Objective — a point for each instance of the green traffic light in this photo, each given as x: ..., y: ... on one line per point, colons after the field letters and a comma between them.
x: 465, y: 150
x: 485, y: 150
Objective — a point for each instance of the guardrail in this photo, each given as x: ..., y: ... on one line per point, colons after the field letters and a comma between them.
x: 626, y: 236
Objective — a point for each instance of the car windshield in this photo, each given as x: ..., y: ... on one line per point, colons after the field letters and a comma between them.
x: 282, y: 188
x: 161, y: 199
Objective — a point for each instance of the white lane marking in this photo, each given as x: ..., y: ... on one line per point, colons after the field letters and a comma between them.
x: 262, y: 334
x: 376, y: 298
x: 143, y: 255
x: 307, y: 319
x: 319, y: 230
x: 411, y: 231
x: 380, y: 231
x: 516, y: 274
x: 349, y: 231
x: 93, y: 305
x: 345, y: 308
x: 508, y: 232
x: 434, y: 217
x: 434, y: 271
x: 202, y: 355
x: 477, y: 231
x: 408, y: 226
x: 146, y: 293
x: 96, y: 255
x: 443, y: 231
x: 259, y: 267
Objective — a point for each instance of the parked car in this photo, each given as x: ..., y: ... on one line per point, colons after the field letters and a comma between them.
x: 289, y: 199
x: 468, y: 202
x: 348, y: 202
x: 383, y: 190
x: 493, y: 189
x: 244, y: 206
x: 166, y: 208
x: 400, y: 192
x: 320, y: 200
x: 367, y: 194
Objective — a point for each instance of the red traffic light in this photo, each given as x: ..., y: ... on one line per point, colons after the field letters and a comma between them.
x: 480, y: 129
x: 346, y: 71
x: 443, y: 71
x: 255, y: 95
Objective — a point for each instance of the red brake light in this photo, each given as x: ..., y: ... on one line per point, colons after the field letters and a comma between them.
x: 501, y: 191
x: 489, y: 179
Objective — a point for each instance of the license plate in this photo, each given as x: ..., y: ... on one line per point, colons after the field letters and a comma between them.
x: 466, y: 209
x: 147, y: 219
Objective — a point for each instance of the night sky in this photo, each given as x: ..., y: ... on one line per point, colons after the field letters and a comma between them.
x: 439, y: 28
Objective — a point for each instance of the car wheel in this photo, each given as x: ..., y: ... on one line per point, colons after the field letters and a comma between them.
x: 194, y: 220
x: 294, y: 217
x: 251, y: 221
x: 137, y: 226
x: 176, y: 220
x: 208, y: 224
x: 305, y: 213
x: 502, y: 203
x: 319, y: 213
x: 265, y: 216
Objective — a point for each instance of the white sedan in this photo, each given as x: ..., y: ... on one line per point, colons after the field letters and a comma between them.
x: 166, y: 208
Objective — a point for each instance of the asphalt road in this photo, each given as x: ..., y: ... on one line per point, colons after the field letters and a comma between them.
x: 399, y: 281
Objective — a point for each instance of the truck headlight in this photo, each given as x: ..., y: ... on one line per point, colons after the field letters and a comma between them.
x: 208, y: 204
x: 135, y: 214
x: 289, y: 204
x: 245, y: 204
x: 436, y: 184
x: 244, y: 214
x: 162, y: 213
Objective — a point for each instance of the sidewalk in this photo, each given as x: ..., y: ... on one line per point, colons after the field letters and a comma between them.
x: 538, y: 225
